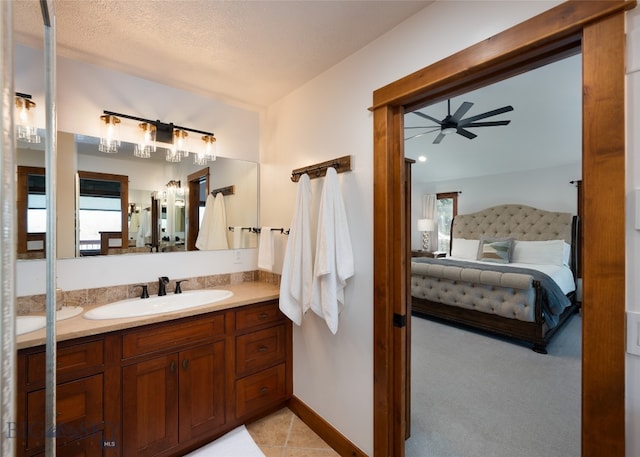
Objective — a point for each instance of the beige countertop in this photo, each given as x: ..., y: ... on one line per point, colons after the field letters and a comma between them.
x: 243, y: 294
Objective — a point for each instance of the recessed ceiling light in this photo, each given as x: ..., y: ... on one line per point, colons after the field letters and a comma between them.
x: 422, y: 158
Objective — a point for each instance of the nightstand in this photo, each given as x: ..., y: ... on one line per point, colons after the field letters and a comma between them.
x: 431, y: 254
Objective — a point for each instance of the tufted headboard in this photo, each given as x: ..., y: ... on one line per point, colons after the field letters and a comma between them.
x: 516, y: 221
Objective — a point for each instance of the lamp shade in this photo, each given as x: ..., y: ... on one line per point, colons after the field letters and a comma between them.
x: 425, y: 225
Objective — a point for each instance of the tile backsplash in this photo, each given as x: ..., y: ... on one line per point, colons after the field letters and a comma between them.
x: 103, y: 295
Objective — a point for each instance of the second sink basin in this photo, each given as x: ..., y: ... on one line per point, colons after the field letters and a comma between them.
x: 136, y: 307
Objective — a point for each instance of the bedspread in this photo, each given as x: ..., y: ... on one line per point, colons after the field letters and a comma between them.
x: 495, y: 289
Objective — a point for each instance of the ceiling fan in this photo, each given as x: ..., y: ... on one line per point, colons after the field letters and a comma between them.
x: 455, y: 124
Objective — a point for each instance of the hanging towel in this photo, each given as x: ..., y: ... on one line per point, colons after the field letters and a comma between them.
x: 265, y: 249
x: 297, y: 268
x: 134, y: 225
x: 213, y: 229
x: 237, y: 237
x: 334, y: 262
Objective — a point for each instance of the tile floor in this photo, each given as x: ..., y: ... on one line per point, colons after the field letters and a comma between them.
x: 283, y: 434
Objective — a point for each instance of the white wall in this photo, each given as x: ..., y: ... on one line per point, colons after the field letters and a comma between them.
x: 633, y: 235
x: 546, y: 188
x: 328, y: 118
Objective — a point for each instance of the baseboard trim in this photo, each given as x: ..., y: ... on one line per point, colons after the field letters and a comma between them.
x: 324, y: 429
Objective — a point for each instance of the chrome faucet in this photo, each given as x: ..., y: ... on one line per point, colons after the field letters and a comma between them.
x: 162, y: 285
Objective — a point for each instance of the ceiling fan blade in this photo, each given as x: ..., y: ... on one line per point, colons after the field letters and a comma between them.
x: 426, y: 116
x: 466, y: 106
x: 494, y: 112
x: 486, y: 124
x: 421, y: 133
x: 424, y: 127
x: 466, y: 133
x: 439, y: 138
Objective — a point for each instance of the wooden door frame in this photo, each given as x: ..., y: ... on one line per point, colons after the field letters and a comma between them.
x: 597, y: 29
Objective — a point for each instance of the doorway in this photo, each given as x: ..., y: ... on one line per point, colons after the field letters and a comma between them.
x: 596, y: 28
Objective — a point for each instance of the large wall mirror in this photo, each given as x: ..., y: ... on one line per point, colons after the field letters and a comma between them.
x: 120, y: 204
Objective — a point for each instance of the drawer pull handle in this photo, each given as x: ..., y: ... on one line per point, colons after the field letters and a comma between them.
x: 264, y: 390
x: 263, y: 315
x: 185, y: 363
x: 172, y: 366
x: 263, y: 348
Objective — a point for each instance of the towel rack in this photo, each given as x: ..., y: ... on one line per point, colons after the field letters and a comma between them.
x: 281, y: 230
x: 241, y: 228
x: 341, y: 164
x: 229, y: 190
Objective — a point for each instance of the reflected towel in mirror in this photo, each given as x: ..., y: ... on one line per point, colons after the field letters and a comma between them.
x: 213, y: 229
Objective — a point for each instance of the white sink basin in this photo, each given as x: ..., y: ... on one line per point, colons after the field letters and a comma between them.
x: 26, y: 324
x: 136, y: 307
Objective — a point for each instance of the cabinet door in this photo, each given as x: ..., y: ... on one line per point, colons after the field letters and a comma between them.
x: 201, y: 390
x: 150, y: 406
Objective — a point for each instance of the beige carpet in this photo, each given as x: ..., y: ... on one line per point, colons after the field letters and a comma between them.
x: 475, y: 395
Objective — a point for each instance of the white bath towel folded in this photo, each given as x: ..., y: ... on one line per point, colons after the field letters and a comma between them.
x: 237, y: 237
x: 334, y: 262
x: 297, y: 268
x: 265, y: 249
x: 213, y: 229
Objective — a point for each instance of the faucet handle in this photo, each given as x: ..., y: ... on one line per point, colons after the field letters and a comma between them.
x: 178, y: 288
x: 145, y: 291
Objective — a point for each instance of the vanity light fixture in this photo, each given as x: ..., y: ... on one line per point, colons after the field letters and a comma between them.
x: 26, y: 129
x: 208, y: 151
x: 109, y: 138
x: 174, y: 136
x: 147, y: 143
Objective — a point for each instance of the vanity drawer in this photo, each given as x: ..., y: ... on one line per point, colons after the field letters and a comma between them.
x: 79, y: 412
x: 260, y: 390
x: 260, y: 349
x: 77, y: 359
x: 254, y: 316
x: 172, y: 335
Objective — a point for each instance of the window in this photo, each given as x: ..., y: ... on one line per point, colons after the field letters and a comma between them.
x: 102, y: 212
x: 446, y: 210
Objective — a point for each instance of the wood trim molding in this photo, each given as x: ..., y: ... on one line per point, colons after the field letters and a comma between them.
x: 324, y: 429
x: 597, y: 29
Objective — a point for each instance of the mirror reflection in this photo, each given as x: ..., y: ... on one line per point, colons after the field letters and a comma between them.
x: 121, y: 204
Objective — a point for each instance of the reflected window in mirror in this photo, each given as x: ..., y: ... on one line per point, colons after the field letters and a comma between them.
x: 447, y: 209
x: 103, y: 214
x: 32, y: 212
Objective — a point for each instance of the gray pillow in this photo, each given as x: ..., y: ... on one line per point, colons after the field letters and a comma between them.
x: 497, y: 250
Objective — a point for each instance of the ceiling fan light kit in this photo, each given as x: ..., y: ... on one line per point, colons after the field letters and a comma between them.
x: 456, y: 124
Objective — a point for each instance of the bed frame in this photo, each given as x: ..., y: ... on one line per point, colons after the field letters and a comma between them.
x: 522, y: 223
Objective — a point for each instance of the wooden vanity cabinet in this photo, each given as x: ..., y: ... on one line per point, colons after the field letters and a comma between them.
x: 79, y: 402
x: 162, y: 389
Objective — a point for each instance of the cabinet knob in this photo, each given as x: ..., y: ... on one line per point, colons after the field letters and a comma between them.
x: 263, y: 315
x: 185, y: 363
x: 263, y: 348
x: 264, y: 390
x: 172, y: 366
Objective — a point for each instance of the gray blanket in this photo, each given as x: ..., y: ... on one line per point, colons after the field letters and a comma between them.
x: 554, y: 301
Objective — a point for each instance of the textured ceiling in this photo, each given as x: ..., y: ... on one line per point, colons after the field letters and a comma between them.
x: 248, y: 52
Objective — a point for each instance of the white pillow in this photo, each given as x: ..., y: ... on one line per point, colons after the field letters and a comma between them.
x: 550, y: 252
x: 465, y: 249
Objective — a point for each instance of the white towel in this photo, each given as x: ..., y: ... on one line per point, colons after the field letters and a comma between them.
x: 213, y: 229
x: 265, y: 249
x: 334, y: 262
x: 134, y: 225
x: 297, y: 268
x: 237, y: 237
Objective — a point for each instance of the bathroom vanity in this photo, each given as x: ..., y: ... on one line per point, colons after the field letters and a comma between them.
x: 159, y: 386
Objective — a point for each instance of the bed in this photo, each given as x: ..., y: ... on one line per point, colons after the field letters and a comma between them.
x: 511, y: 271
